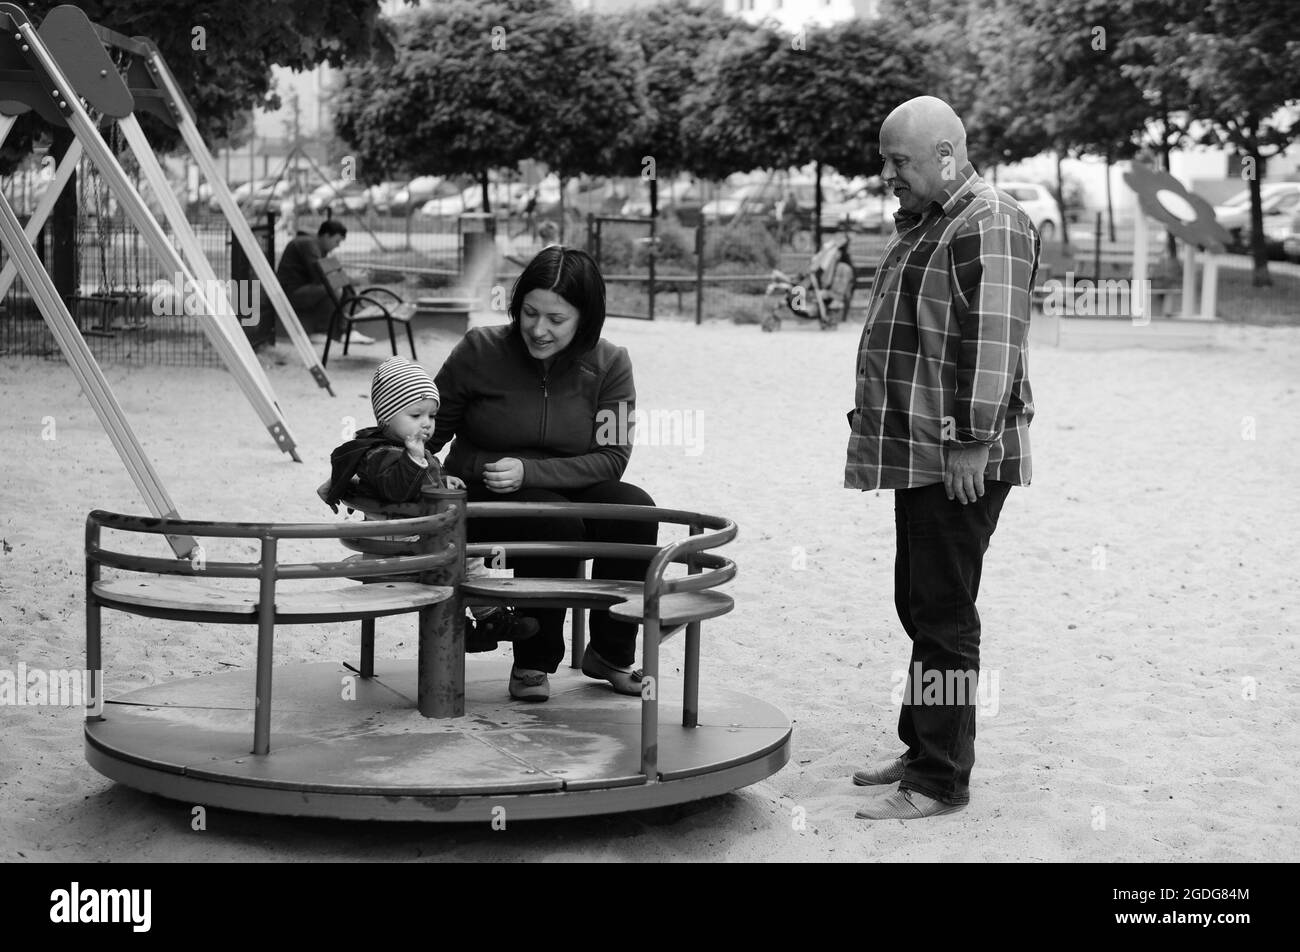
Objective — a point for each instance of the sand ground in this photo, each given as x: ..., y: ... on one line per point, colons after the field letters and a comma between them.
x: 1138, y: 604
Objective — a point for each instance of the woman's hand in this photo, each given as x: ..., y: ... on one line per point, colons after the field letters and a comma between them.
x: 454, y: 482
x: 504, y: 476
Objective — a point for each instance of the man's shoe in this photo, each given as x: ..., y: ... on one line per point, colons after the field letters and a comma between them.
x: 907, y: 805
x: 624, y: 679
x: 360, y: 338
x: 529, y: 685
x: 888, y: 772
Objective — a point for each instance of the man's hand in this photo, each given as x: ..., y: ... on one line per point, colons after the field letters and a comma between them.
x: 454, y: 482
x: 963, y: 472
x: 504, y: 476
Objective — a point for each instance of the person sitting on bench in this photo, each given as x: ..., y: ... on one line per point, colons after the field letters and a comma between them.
x: 297, y: 275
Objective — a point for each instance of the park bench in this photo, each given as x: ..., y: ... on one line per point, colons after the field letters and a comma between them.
x: 1164, y: 301
x: 353, y: 307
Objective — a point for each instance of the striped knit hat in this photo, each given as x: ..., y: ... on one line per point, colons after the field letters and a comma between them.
x: 397, y: 384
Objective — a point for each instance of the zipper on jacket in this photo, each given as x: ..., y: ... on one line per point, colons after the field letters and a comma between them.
x: 546, y: 394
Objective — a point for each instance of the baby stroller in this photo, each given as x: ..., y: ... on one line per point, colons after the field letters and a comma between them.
x: 822, y: 294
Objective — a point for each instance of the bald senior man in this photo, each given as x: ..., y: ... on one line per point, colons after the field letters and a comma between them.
x: 941, y: 416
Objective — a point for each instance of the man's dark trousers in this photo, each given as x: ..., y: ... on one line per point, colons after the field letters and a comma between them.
x: 941, y: 545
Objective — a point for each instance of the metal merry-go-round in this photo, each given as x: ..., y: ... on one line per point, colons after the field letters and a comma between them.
x: 437, y: 738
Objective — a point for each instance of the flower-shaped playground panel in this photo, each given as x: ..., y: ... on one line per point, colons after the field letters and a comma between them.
x: 1186, y: 215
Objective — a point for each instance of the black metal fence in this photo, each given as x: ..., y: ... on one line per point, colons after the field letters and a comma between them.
x: 692, y: 271
x: 667, y: 269
x: 711, y: 271
x: 111, y: 295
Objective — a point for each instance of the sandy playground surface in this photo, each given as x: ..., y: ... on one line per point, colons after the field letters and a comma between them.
x: 1141, y: 695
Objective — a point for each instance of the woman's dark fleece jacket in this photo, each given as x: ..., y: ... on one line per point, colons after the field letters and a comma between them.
x: 563, y: 423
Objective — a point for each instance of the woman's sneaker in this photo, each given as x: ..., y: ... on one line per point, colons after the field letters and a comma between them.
x: 501, y: 624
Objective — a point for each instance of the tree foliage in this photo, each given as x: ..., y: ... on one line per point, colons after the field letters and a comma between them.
x: 1239, y: 62
x: 770, y: 100
x: 480, y: 86
x: 222, y: 54
x: 672, y: 43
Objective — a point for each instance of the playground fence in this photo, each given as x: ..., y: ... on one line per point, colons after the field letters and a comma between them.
x: 701, y: 271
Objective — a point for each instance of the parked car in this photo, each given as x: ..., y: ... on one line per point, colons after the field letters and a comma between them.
x: 422, y: 188
x: 1039, y: 204
x: 548, y: 197
x: 837, y: 206
x: 269, y: 194
x: 339, y: 196
x: 682, y: 201
x: 728, y: 204
x: 1279, y: 202
x: 1278, y: 228
x: 414, y: 194
x: 254, y: 196
x: 874, y: 213
x: 1289, y: 239
x: 596, y: 195
x: 757, y: 199
x: 468, y: 199
x: 384, y: 198
x: 240, y: 192
x: 760, y: 200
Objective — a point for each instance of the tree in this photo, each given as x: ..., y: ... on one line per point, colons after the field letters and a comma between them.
x: 862, y: 72
x: 674, y: 41
x: 449, y: 102
x: 1068, y: 79
x: 1145, y: 29
x: 477, y: 87
x: 222, y: 54
x: 1239, y: 61
x: 770, y: 100
x: 966, y: 42
x: 587, y: 102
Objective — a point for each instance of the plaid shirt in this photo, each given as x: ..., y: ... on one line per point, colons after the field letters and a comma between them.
x: 942, y: 357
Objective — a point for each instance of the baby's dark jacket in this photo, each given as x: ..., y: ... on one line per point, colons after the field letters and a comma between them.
x: 382, y: 468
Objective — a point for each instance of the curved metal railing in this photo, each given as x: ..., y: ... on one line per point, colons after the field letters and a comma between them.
x: 445, y: 523
x: 390, y: 556
x: 692, y: 551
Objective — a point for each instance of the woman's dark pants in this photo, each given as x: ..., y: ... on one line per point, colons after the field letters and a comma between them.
x: 615, y: 641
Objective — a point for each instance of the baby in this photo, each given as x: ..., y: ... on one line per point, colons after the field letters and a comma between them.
x: 389, y: 462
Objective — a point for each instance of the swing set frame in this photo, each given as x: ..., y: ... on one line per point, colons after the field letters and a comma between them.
x: 64, y: 72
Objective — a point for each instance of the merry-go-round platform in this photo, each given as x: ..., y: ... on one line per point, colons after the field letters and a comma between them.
x: 376, y: 757
x: 437, y: 737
